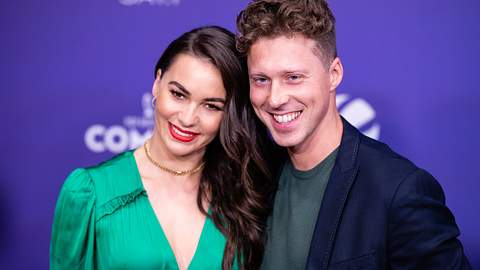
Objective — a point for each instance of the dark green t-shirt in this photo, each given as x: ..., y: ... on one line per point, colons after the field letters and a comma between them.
x: 291, y: 225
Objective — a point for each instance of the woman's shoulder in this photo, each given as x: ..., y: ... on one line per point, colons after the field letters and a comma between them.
x: 110, y: 179
x: 78, y: 182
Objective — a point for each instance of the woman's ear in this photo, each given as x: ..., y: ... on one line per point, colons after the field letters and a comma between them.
x: 156, y: 83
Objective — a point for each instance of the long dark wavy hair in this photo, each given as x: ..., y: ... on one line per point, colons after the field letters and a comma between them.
x: 236, y: 178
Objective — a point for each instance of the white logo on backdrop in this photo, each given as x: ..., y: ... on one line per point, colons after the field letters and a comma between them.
x: 360, y: 114
x: 151, y: 2
x: 118, y: 138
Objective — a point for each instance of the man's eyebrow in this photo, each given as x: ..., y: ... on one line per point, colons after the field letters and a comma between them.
x: 297, y: 70
x: 180, y: 87
x: 279, y: 72
x: 257, y: 74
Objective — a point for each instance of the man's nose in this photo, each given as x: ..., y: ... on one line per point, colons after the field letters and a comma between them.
x: 278, y: 96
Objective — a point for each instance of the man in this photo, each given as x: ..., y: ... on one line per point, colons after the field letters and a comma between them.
x: 344, y: 201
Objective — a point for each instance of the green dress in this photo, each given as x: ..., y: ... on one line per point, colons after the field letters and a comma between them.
x: 104, y: 220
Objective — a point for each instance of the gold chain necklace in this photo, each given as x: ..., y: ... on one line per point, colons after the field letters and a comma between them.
x: 168, y: 170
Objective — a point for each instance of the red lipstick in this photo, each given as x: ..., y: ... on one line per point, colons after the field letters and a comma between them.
x: 180, y: 134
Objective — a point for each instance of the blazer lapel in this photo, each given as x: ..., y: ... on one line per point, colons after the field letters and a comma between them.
x: 338, y: 187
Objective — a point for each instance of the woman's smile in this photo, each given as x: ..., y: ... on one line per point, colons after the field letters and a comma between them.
x: 181, y: 134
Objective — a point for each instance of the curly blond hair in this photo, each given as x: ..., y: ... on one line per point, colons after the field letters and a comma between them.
x: 272, y: 18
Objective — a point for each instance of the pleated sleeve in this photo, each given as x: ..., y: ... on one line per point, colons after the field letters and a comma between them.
x: 73, y: 233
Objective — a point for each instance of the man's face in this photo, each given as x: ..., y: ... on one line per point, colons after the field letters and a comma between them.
x: 291, y: 90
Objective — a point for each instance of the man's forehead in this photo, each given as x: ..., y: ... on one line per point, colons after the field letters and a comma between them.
x: 288, y: 39
x: 284, y: 53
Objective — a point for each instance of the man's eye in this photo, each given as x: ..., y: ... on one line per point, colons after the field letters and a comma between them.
x: 260, y: 80
x: 294, y: 77
x: 177, y: 94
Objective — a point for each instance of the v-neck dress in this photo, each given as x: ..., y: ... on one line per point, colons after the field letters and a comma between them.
x: 104, y: 220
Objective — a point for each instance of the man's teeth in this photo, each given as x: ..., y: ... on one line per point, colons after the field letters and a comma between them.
x: 286, y: 118
x: 181, y: 133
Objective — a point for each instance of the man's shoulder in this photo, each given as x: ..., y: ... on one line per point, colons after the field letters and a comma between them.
x: 379, y: 165
x: 382, y: 175
x: 356, y: 149
x: 378, y: 154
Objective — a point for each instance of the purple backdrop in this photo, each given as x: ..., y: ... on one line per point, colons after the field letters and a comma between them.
x: 74, y: 78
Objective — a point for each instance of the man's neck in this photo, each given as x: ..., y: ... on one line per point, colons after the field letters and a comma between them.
x: 325, y: 139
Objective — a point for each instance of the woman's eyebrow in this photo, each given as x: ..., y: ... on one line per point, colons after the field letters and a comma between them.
x: 221, y: 100
x: 187, y: 93
x: 180, y: 87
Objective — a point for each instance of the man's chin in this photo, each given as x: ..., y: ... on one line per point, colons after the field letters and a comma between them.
x: 285, y: 140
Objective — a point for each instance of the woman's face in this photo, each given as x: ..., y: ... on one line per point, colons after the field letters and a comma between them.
x: 189, y: 106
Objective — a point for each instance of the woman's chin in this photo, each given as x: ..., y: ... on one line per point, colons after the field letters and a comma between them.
x: 183, y: 150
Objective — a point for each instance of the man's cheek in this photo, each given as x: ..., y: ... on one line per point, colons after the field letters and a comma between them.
x: 257, y: 97
x: 260, y: 116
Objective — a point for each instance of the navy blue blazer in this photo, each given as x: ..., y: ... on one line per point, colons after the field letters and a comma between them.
x: 380, y: 211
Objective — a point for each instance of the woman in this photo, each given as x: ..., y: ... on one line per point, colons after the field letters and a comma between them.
x: 195, y: 195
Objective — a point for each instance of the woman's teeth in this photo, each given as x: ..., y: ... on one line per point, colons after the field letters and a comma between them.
x: 181, y: 133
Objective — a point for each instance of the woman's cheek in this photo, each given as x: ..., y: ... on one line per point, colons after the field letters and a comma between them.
x: 212, y: 125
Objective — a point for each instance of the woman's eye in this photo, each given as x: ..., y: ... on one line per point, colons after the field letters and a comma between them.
x: 177, y: 94
x: 213, y: 107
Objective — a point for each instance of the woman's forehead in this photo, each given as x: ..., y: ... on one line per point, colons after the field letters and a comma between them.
x: 197, y: 75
